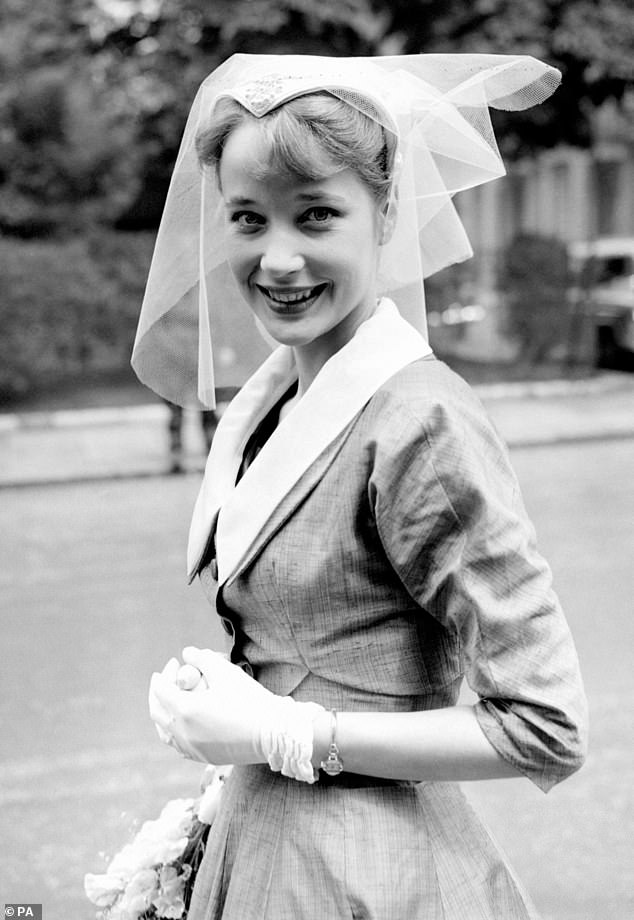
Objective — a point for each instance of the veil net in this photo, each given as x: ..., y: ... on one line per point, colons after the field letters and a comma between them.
x: 195, y: 332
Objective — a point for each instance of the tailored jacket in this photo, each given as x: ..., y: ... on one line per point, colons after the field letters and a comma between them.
x: 377, y: 551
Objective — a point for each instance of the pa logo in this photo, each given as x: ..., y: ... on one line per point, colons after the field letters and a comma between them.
x: 30, y: 911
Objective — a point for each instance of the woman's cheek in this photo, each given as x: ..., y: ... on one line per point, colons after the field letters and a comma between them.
x: 241, y: 267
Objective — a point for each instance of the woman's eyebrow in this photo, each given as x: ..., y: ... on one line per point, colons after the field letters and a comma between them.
x: 319, y: 195
x: 239, y: 201
x: 316, y: 195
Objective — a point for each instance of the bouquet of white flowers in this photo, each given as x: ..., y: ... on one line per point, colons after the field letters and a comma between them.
x: 152, y: 877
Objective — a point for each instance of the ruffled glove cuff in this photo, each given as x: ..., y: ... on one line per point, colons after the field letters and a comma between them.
x: 287, y: 740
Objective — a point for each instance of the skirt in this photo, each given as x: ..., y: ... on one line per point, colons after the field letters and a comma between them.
x: 283, y: 850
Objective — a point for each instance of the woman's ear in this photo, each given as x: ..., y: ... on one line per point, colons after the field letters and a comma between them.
x: 389, y: 215
x: 390, y: 208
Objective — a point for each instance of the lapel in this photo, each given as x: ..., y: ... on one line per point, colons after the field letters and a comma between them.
x: 296, y: 455
x: 289, y: 502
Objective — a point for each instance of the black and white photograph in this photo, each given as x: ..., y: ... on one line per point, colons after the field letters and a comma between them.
x: 316, y: 455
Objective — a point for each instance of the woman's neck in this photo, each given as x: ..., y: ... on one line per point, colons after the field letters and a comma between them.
x: 310, y: 358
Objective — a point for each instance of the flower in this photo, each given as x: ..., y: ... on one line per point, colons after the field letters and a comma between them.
x: 152, y: 877
x: 139, y: 893
x: 103, y: 890
x: 210, y: 799
x: 160, y: 841
x: 170, y: 901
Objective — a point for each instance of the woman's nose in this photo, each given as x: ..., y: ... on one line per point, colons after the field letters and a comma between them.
x: 281, y: 255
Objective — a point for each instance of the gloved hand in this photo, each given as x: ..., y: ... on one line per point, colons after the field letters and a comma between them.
x: 233, y: 719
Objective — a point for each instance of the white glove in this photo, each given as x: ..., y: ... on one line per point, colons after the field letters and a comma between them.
x: 230, y: 718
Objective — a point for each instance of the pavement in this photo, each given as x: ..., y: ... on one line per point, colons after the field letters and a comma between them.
x: 39, y: 448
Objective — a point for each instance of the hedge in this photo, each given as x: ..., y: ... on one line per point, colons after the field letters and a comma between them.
x: 534, y: 277
x: 68, y: 307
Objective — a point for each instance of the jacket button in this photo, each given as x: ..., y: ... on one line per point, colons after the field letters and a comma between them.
x: 227, y: 625
x: 246, y: 667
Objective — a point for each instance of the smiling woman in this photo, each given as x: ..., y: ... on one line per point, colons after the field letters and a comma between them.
x: 359, y: 529
x: 309, y: 185
x: 304, y: 253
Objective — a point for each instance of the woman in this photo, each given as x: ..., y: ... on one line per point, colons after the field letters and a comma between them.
x: 359, y: 528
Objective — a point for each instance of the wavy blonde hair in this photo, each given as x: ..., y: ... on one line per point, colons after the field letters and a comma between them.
x: 305, y: 137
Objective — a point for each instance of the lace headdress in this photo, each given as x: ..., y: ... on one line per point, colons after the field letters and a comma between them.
x: 195, y: 332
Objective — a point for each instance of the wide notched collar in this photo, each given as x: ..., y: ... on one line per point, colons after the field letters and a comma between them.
x: 382, y: 345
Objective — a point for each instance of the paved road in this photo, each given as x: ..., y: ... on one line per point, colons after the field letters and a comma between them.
x: 93, y: 599
x: 65, y: 446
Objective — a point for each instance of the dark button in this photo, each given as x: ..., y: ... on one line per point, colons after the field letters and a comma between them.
x: 228, y: 626
x: 246, y: 667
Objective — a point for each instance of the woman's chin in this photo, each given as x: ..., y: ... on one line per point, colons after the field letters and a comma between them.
x: 292, y: 329
x: 294, y: 338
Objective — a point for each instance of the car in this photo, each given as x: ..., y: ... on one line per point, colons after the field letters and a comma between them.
x: 603, y: 291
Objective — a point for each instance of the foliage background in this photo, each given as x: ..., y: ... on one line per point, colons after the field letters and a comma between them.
x: 93, y: 99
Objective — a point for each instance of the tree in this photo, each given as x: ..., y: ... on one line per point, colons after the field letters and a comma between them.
x: 69, y: 153
x: 591, y: 41
x: 535, y: 279
x: 138, y: 64
x: 67, y: 160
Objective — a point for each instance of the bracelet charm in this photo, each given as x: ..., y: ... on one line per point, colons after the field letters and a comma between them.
x: 333, y: 764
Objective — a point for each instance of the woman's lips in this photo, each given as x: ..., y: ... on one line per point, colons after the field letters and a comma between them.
x: 291, y: 300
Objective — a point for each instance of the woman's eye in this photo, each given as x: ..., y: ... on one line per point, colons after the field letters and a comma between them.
x: 318, y: 215
x: 247, y: 220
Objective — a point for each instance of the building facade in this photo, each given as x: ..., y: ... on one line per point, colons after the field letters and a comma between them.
x: 569, y: 193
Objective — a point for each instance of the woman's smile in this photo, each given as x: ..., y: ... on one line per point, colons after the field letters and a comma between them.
x: 291, y: 301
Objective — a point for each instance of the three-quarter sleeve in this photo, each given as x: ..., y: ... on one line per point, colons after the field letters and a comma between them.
x: 451, y: 519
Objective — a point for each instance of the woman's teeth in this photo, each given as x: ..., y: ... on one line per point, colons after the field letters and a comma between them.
x: 292, y: 297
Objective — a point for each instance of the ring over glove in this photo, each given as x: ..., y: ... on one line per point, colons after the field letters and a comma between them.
x: 228, y: 717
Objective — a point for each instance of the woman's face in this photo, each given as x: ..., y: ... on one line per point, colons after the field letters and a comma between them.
x: 304, y: 254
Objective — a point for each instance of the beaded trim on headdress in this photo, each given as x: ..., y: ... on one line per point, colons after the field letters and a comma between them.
x: 263, y: 94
